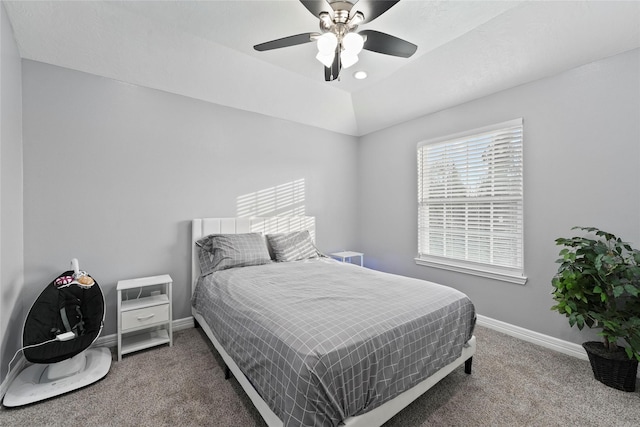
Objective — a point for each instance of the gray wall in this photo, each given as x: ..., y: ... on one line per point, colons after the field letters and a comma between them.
x: 115, y: 172
x: 581, y: 160
x: 11, y: 223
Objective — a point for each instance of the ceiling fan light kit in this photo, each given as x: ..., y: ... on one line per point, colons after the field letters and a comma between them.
x: 339, y: 44
x: 348, y: 46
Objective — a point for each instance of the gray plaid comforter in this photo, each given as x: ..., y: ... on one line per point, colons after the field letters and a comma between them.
x: 321, y: 340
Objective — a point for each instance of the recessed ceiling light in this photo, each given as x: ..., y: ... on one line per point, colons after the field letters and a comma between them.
x: 360, y: 75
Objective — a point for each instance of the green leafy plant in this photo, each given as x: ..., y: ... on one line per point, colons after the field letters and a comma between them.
x: 598, y: 285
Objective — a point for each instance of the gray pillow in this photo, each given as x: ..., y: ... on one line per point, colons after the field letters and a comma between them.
x: 222, y: 251
x: 292, y: 246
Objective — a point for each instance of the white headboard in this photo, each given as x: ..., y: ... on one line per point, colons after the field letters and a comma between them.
x: 202, y: 227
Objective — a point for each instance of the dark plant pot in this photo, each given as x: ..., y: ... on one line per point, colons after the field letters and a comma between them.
x: 613, y: 369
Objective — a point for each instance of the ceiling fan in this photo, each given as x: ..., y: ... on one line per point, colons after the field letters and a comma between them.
x: 338, y: 42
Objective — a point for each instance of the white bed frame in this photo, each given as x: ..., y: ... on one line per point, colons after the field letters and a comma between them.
x: 376, y: 417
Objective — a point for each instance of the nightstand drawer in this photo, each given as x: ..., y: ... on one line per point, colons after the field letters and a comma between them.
x: 145, y: 316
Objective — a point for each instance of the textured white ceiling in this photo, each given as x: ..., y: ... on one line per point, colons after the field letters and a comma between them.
x: 204, y: 50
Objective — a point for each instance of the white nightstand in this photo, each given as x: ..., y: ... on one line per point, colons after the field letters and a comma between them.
x: 145, y: 314
x: 347, y: 255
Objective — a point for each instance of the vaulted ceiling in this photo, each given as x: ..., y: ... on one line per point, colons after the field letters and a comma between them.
x: 204, y: 50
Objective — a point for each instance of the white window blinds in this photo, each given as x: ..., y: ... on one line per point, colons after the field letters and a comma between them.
x: 470, y: 198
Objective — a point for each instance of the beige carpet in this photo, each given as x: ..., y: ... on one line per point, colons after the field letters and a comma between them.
x: 513, y: 384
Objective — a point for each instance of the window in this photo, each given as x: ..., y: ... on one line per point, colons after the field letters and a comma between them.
x: 470, y: 214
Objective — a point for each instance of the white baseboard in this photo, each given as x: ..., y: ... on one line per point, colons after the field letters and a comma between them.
x: 564, y: 347
x: 104, y: 341
x: 546, y: 341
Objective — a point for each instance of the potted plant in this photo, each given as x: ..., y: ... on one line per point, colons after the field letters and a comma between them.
x: 598, y: 285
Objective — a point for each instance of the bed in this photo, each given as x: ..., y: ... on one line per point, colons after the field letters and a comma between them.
x: 313, y: 341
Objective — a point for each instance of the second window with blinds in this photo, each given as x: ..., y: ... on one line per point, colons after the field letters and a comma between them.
x: 470, y: 202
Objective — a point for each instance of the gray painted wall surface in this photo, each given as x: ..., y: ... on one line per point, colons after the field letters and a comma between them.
x: 11, y: 222
x: 115, y: 172
x: 582, y: 167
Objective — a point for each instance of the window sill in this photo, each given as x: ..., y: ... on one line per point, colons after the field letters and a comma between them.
x: 474, y: 269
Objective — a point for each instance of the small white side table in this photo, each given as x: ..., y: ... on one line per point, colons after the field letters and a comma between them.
x: 146, y: 320
x: 347, y: 255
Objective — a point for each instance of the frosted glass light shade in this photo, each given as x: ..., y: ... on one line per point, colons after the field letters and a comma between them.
x: 348, y: 59
x: 353, y: 43
x: 326, y: 59
x: 327, y: 43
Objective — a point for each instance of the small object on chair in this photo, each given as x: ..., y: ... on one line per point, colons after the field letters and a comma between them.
x: 82, y: 279
x: 63, y: 281
x: 85, y: 281
x: 65, y: 336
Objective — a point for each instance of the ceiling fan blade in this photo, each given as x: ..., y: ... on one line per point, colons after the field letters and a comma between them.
x: 374, y: 8
x: 316, y: 6
x: 333, y: 72
x: 285, y: 42
x: 387, y: 44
